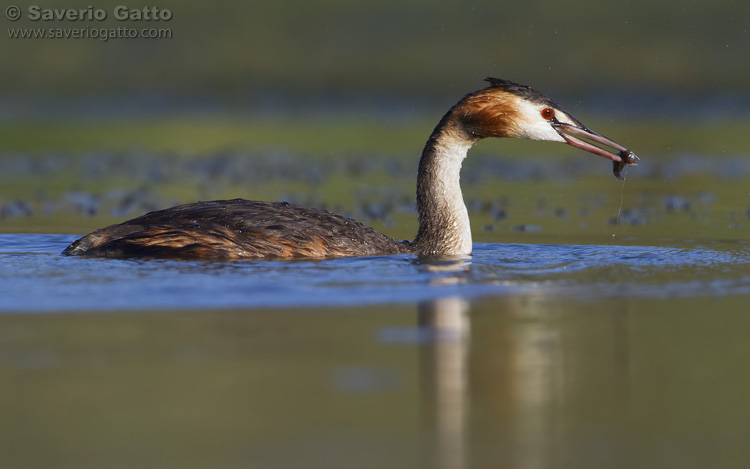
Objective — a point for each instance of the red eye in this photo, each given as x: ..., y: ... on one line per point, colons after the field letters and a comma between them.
x: 548, y: 113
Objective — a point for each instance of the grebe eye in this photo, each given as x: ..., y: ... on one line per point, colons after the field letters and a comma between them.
x: 548, y: 113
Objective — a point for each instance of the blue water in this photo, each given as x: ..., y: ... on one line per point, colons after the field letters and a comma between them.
x: 34, y: 277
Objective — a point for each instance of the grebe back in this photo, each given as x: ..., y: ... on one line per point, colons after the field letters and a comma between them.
x: 241, y: 229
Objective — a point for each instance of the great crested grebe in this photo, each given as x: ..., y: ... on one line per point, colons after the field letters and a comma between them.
x: 242, y: 229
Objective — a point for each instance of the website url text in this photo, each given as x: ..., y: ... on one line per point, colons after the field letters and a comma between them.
x: 102, y: 34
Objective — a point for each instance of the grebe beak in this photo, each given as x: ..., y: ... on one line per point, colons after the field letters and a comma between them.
x: 570, y: 132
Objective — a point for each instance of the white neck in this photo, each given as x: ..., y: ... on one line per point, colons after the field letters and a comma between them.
x: 444, y: 227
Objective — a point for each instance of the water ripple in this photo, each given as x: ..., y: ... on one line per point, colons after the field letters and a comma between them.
x: 34, y: 277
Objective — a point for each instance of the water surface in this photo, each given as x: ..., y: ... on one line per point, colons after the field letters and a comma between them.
x: 521, y: 355
x: 36, y: 277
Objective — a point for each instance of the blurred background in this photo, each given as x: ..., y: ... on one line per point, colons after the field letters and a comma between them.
x: 226, y: 55
x: 328, y: 102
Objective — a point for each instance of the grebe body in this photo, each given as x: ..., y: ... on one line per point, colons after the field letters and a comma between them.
x: 242, y: 229
x: 237, y: 229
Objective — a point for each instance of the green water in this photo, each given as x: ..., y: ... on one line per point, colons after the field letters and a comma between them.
x: 525, y: 381
x: 549, y: 356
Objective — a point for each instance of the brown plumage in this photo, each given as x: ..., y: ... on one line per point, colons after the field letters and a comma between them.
x: 236, y: 229
x: 242, y: 229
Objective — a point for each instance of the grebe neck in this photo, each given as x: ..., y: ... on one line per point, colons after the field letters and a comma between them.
x: 443, y: 219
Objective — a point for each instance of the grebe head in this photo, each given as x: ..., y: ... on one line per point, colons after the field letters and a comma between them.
x: 507, y: 109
